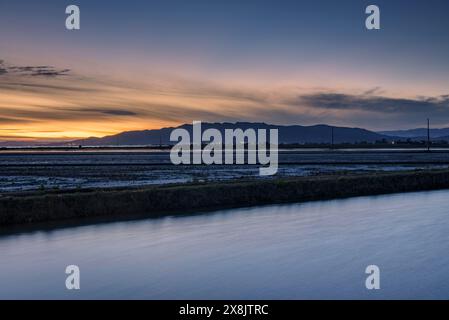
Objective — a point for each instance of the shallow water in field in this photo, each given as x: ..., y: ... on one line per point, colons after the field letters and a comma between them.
x: 22, y: 171
x: 316, y: 250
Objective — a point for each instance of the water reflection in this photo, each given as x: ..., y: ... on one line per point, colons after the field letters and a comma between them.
x: 300, y: 251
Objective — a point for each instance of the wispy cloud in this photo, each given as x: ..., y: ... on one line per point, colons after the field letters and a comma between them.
x: 42, y: 87
x: 47, y: 113
x: 372, y: 91
x: 34, y: 71
x: 112, y: 112
x: 7, y: 120
x: 341, y: 101
x: 379, y: 111
x: 2, y: 68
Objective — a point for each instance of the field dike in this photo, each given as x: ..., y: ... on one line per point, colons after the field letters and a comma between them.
x: 153, y: 201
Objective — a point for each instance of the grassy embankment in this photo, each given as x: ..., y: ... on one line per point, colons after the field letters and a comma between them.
x: 159, y: 200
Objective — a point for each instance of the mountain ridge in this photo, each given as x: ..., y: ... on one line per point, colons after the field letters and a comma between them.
x: 417, y: 133
x: 320, y: 133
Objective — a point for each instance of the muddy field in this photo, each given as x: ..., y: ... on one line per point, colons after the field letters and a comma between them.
x: 21, y: 171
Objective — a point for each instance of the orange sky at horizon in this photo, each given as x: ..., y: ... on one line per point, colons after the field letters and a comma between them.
x: 70, y: 106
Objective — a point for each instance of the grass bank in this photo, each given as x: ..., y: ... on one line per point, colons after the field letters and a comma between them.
x: 154, y: 201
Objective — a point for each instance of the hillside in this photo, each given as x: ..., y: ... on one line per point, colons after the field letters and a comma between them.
x: 287, y: 134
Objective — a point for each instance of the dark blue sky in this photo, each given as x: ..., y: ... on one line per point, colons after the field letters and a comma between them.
x: 416, y: 31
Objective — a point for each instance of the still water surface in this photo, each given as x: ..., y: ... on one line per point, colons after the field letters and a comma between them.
x: 298, y: 251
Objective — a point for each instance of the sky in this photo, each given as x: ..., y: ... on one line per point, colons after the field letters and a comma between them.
x: 146, y: 64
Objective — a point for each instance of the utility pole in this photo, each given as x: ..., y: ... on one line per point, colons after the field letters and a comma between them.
x: 332, y: 138
x: 428, y: 135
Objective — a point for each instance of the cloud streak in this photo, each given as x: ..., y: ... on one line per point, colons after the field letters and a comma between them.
x: 341, y: 101
x: 111, y: 112
x: 366, y: 109
x: 35, y: 71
